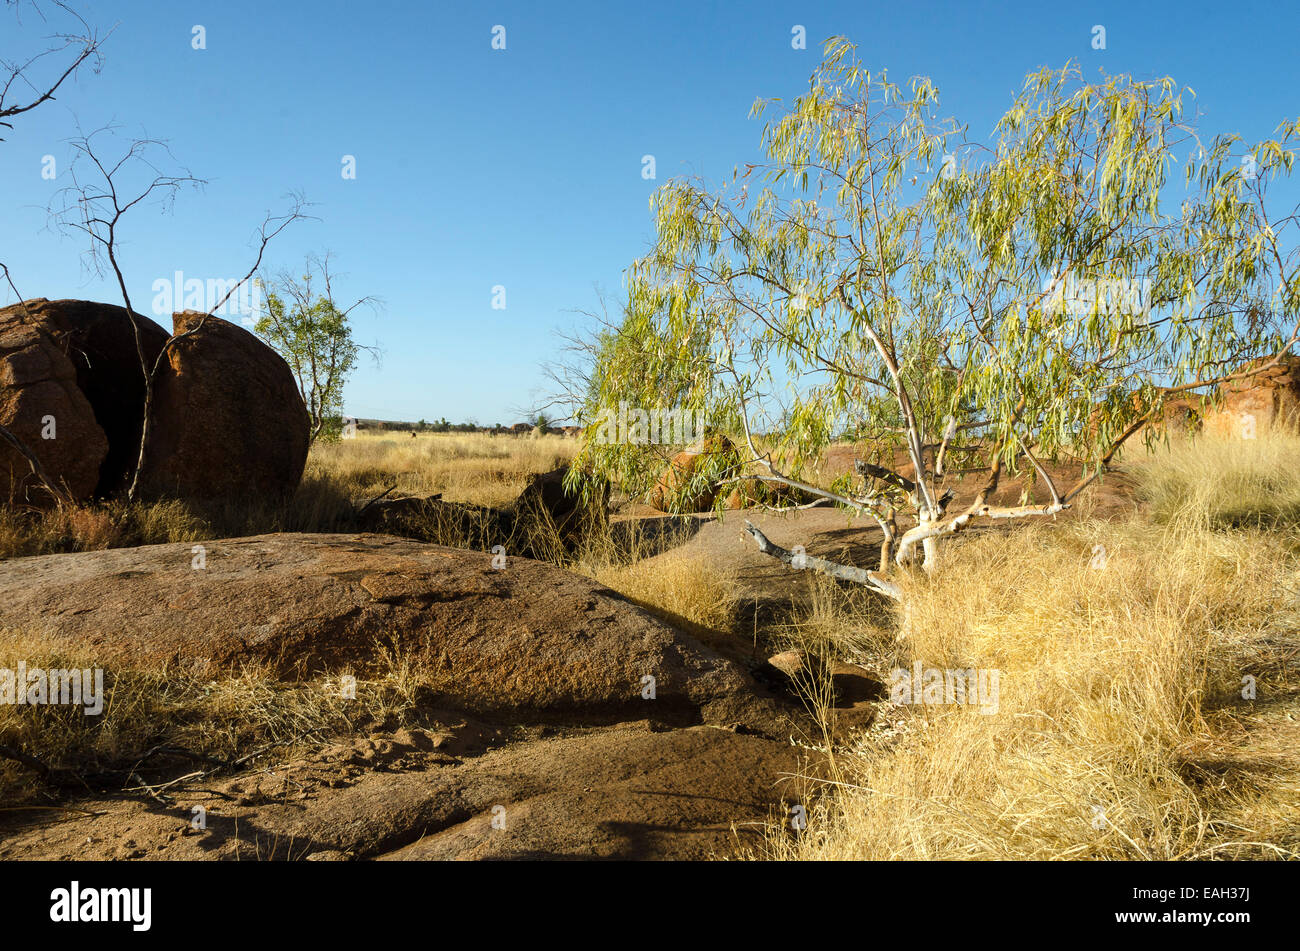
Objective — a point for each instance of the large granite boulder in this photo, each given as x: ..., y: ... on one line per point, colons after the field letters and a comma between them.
x: 518, y: 636
x: 101, y: 343
x: 43, y: 407
x: 228, y: 421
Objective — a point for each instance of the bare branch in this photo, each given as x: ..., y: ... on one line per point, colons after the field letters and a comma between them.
x: 823, y: 566
x: 85, y: 45
x: 95, y: 205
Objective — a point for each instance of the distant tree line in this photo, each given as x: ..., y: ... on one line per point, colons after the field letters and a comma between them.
x: 334, y: 425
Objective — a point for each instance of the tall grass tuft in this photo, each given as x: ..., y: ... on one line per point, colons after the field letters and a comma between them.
x: 1121, y: 730
x: 1218, y: 483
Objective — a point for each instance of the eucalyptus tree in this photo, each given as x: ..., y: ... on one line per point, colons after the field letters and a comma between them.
x: 961, y: 307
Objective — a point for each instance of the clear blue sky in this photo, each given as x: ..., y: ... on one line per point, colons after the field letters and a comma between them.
x: 523, y: 168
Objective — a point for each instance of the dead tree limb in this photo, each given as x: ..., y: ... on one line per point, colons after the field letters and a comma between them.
x: 61, y: 496
x: 95, y: 205
x: 888, y: 476
x: 31, y: 762
x: 86, y: 45
x: 270, y: 229
x: 365, y: 508
x: 821, y: 565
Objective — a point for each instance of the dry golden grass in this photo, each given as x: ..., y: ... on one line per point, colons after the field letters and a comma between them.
x: 676, y: 589
x: 464, y: 467
x: 1223, y: 483
x: 318, y: 506
x: 149, y: 714
x: 1121, y: 731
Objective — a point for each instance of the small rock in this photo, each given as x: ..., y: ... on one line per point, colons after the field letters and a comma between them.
x: 788, y: 662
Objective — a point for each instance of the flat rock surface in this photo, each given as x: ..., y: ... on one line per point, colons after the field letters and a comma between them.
x: 527, y: 637
x: 537, y: 742
x: 630, y: 791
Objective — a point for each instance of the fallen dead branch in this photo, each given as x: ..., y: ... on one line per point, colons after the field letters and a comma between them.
x: 822, y: 565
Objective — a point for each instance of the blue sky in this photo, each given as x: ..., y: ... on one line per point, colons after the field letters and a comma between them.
x: 522, y: 167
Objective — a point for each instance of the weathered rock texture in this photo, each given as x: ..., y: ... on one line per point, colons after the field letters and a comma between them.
x: 1252, y: 407
x: 527, y: 637
x: 454, y: 791
x: 1181, y: 416
x: 751, y: 492
x: 228, y: 421
x: 100, y: 342
x: 40, y: 399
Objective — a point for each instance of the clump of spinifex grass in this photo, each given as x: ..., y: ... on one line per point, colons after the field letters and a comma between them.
x: 688, y: 592
x: 1223, y: 483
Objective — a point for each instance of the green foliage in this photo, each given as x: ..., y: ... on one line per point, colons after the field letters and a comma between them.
x: 317, y: 344
x: 331, y: 429
x: 884, y: 276
x: 314, y: 337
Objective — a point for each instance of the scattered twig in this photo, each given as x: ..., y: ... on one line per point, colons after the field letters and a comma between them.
x: 31, y: 762
x: 364, y: 508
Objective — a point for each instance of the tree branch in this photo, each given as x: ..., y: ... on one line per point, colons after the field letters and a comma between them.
x: 823, y: 566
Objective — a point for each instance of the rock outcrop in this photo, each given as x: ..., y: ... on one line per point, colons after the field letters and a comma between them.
x: 523, y: 638
x: 454, y: 790
x: 100, y: 342
x: 553, y: 718
x: 1180, y: 416
x: 683, y: 486
x: 228, y: 421
x: 1251, y: 407
x: 752, y: 492
x: 573, y: 517
x: 43, y: 407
